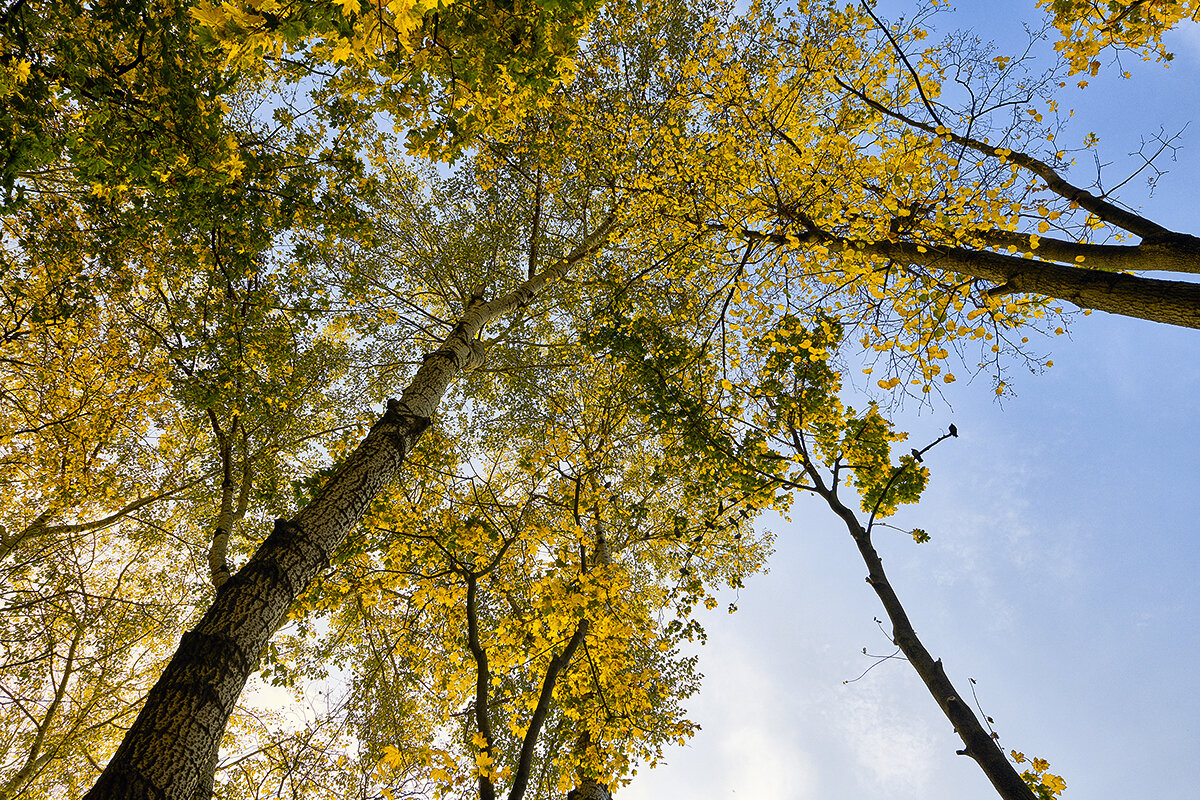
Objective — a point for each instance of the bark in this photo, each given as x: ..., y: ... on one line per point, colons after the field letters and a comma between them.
x: 218, y: 565
x: 1170, y: 252
x: 483, y: 677
x: 557, y: 665
x: 171, y: 749
x: 978, y: 742
x: 229, y: 515
x: 1170, y: 302
x: 590, y: 790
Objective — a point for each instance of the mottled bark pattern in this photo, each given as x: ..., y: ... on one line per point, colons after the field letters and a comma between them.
x: 170, y: 751
x: 590, y: 790
x: 171, y: 748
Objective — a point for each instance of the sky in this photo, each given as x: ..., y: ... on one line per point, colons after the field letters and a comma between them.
x: 1061, y: 574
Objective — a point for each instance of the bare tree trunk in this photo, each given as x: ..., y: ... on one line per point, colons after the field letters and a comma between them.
x: 977, y: 742
x: 590, y: 790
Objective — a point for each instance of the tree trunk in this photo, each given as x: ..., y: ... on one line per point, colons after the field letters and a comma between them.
x: 590, y: 790
x: 1167, y: 252
x: 978, y: 743
x: 171, y: 750
x: 1170, y: 302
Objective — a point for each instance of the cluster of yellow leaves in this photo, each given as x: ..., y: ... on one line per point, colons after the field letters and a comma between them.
x: 794, y: 393
x: 451, y: 71
x: 851, y: 210
x: 251, y: 30
x: 1089, y: 28
x: 13, y: 75
x: 1047, y: 785
x: 585, y: 518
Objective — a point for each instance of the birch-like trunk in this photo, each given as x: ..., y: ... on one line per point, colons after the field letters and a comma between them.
x: 590, y: 790
x: 171, y: 750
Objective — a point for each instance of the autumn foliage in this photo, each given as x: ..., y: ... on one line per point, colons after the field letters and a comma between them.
x: 440, y: 357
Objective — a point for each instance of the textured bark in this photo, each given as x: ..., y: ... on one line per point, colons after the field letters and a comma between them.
x: 171, y: 748
x: 170, y: 751
x: 590, y: 790
x: 1170, y: 302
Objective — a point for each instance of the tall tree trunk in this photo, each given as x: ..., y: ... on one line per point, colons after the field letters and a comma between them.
x: 170, y: 751
x: 172, y: 747
x: 590, y: 790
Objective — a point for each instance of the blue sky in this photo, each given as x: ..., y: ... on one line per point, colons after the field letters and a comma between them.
x: 1062, y: 571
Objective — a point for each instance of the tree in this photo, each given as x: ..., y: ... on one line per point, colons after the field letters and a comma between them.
x: 931, y: 215
x: 657, y: 225
x: 450, y: 71
x: 780, y: 423
x: 291, y: 556
x: 515, y: 628
x: 793, y: 406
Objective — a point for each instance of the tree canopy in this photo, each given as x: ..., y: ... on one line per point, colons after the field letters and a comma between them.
x: 477, y: 442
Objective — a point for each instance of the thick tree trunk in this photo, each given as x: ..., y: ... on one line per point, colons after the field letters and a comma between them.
x: 171, y: 750
x: 1170, y: 302
x: 590, y: 790
x: 172, y: 747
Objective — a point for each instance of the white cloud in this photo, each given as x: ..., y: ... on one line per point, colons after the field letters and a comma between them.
x: 750, y: 745
x: 767, y: 764
x: 892, y: 749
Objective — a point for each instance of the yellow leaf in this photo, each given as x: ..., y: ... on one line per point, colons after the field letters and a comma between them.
x: 208, y: 15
